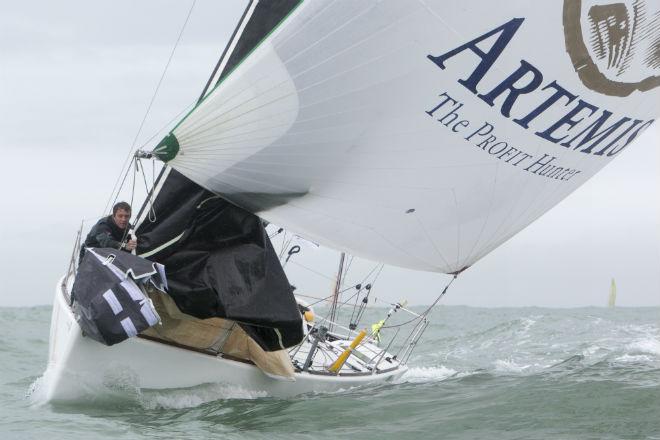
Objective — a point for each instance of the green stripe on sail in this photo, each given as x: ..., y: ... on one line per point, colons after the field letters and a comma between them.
x: 228, y: 74
x: 168, y: 148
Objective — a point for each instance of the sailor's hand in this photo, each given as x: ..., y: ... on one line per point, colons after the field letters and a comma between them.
x: 131, y: 245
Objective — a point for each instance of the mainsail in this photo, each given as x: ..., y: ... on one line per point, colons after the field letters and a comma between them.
x: 422, y: 134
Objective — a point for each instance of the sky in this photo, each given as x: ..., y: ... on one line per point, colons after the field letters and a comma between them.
x: 77, y: 78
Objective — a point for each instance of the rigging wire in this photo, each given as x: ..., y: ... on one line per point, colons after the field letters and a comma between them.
x: 123, y: 180
x: 284, y: 246
x: 327, y: 277
x: 365, y: 300
x: 278, y: 232
x: 429, y: 308
x: 176, y: 118
x: 348, y: 267
x: 343, y: 303
x: 351, y: 324
x: 363, y: 307
x: 153, y: 99
x: 364, y: 280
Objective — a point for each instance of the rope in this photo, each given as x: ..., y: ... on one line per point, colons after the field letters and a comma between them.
x: 153, y: 99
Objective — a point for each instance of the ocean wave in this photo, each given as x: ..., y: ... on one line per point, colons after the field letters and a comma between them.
x: 633, y: 359
x: 569, y: 362
x: 528, y: 322
x: 509, y: 366
x: 429, y: 374
x: 591, y: 350
x: 520, y: 326
x: 645, y: 346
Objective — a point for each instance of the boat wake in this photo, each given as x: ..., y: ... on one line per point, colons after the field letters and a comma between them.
x: 428, y: 374
x: 196, y: 396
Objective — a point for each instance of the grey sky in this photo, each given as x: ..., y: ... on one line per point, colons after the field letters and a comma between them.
x: 77, y: 77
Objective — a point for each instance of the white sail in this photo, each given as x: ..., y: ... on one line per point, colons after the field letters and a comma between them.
x: 424, y: 133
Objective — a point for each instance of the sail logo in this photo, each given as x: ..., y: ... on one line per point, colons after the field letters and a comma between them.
x: 614, y: 46
x: 449, y: 113
x: 583, y: 127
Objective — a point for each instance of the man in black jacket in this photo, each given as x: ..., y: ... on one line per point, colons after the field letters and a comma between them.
x: 111, y: 231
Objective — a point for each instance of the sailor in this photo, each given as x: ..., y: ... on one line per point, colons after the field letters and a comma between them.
x: 111, y: 231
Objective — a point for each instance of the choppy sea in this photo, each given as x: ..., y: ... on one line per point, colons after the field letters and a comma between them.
x: 508, y: 373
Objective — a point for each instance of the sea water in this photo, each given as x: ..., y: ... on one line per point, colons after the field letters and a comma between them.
x: 504, y: 373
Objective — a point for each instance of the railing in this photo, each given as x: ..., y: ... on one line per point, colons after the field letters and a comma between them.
x: 397, y: 347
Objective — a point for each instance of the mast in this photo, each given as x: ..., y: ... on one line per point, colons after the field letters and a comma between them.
x: 335, y: 296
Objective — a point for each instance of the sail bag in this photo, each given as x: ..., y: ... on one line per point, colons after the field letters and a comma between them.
x: 108, y: 302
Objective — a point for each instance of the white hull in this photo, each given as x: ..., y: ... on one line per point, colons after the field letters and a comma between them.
x: 77, y: 363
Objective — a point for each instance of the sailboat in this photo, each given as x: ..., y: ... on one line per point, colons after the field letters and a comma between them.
x: 611, y: 301
x: 422, y: 134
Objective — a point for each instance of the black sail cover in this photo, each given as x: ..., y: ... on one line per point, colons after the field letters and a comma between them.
x: 220, y: 262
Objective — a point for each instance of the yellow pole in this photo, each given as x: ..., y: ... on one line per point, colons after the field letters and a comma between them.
x: 336, y: 366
